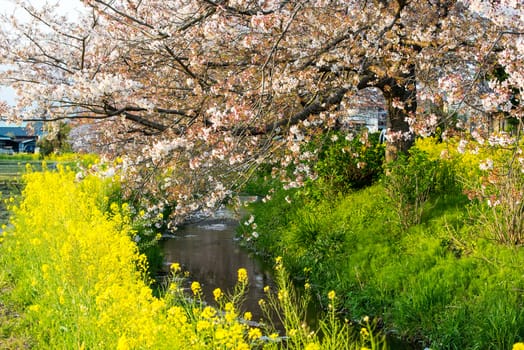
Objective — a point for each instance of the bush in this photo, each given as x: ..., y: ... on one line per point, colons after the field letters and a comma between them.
x: 346, y: 163
x: 412, y: 180
x: 57, y: 143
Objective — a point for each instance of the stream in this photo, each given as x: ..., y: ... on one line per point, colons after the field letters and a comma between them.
x: 208, y: 251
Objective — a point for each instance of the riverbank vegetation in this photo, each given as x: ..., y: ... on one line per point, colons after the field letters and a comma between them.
x: 72, y: 274
x: 432, y: 251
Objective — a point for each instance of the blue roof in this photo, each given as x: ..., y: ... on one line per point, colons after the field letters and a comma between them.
x: 13, y: 131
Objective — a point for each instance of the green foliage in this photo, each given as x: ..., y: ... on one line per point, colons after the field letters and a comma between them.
x: 500, y: 194
x: 270, y: 219
x: 442, y: 281
x: 58, y: 143
x: 260, y: 182
x: 348, y: 163
x: 20, y: 156
x: 492, y: 176
x: 330, y: 332
x: 412, y: 180
x: 74, y: 160
x: 11, y: 326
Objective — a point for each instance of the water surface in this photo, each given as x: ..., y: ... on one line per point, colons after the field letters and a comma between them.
x: 207, y: 250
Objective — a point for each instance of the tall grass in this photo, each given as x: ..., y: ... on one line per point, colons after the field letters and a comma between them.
x: 442, y: 281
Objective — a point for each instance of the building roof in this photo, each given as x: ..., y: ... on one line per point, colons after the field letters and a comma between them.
x: 13, y: 131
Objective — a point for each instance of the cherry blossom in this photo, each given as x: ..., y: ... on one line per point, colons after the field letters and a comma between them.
x: 194, y: 95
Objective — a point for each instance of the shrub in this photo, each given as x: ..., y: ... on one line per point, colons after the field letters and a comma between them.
x: 347, y: 162
x: 491, y: 176
x: 413, y: 179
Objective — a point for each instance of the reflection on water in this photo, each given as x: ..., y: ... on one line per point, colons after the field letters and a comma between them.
x: 208, y: 251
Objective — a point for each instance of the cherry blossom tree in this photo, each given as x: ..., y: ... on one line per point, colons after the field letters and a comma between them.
x: 195, y: 94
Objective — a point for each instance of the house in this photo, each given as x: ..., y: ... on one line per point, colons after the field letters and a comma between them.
x: 15, y: 139
x: 366, y: 110
x: 371, y: 117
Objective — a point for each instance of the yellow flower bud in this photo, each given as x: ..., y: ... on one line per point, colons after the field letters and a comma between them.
x: 242, y: 275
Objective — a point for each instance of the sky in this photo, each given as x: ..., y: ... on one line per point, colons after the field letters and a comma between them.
x: 7, y: 8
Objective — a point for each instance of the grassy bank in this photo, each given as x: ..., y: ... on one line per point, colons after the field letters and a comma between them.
x: 73, y: 278
x: 411, y: 250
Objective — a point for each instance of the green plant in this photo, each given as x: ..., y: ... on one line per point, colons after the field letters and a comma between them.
x: 56, y: 141
x: 349, y: 162
x: 501, y: 207
x: 331, y: 331
x: 412, y: 180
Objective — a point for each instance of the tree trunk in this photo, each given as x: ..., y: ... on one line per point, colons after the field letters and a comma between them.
x: 401, y: 101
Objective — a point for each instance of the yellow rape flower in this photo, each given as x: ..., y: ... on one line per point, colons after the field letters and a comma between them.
x: 173, y: 287
x: 34, y: 308
x: 254, y: 333
x: 217, y: 293
x: 273, y: 336
x: 175, y: 267
x: 364, y: 333
x: 196, y: 288
x: 312, y: 346
x: 242, y: 346
x: 331, y: 295
x: 123, y: 343
x: 209, y: 312
x: 229, y: 307
x: 518, y: 346
x: 202, y: 325
x: 242, y: 275
x: 278, y: 263
x: 282, y: 295
x: 221, y: 334
x: 248, y: 316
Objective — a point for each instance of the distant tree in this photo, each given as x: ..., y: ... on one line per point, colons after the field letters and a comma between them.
x: 56, y: 141
x: 200, y: 92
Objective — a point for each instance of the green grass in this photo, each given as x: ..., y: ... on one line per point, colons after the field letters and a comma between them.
x: 20, y: 157
x: 441, y: 283
x: 12, y: 334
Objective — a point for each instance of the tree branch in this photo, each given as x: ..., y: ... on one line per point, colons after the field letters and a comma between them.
x: 318, y: 106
